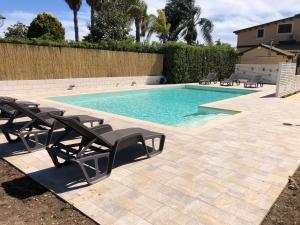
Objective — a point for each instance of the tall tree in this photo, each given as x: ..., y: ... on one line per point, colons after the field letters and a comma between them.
x: 175, y: 11
x: 185, y: 19
x: 75, y: 6
x: 95, y: 7
x: 137, y: 10
x: 111, y: 23
x: 158, y: 24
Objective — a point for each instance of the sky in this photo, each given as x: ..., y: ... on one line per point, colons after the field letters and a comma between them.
x: 227, y: 15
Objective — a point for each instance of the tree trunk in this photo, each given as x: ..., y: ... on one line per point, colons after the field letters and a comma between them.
x: 92, y: 17
x: 76, y: 26
x: 137, y: 31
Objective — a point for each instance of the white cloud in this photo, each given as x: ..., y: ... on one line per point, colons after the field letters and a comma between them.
x: 14, y: 17
x: 231, y: 15
x: 227, y: 15
x: 153, y: 5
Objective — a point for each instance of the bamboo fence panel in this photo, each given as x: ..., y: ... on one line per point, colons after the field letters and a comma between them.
x: 27, y: 62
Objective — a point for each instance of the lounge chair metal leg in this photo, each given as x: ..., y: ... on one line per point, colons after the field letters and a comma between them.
x: 56, y: 162
x: 50, y: 135
x: 160, y: 147
x: 12, y: 134
x: 10, y: 139
x: 111, y: 161
x: 25, y: 138
x: 98, y: 174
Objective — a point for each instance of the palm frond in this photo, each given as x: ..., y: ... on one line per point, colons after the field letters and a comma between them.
x: 74, y: 4
x: 96, y: 3
x: 206, y: 28
x: 137, y: 11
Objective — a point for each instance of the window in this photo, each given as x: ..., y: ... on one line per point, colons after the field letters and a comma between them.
x: 285, y: 28
x: 260, y: 33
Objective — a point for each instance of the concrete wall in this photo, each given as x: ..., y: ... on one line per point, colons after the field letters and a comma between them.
x: 268, y: 71
x: 63, y: 84
x: 262, y: 56
x: 249, y: 37
x: 27, y: 62
x: 288, y: 82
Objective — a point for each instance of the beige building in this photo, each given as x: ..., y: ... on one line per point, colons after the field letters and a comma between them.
x: 270, y: 43
x: 265, y: 54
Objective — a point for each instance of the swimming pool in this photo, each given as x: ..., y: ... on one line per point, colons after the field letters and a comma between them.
x: 172, y: 106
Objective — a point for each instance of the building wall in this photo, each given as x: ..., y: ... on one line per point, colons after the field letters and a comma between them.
x: 249, y: 37
x: 262, y: 56
x: 27, y: 62
x: 288, y: 82
x: 269, y: 72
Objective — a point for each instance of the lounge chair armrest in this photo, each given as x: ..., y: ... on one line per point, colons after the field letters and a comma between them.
x: 73, y: 117
x: 29, y: 106
x: 48, y: 114
x: 103, y: 128
x: 86, y: 119
x: 38, y: 132
x: 92, y: 156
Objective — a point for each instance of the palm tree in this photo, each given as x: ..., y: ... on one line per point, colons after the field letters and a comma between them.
x: 159, y: 25
x: 188, y: 28
x: 137, y: 10
x: 95, y: 5
x: 185, y: 19
x: 75, y: 6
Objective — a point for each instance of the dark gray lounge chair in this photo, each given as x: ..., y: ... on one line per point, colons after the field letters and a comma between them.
x: 99, y: 145
x: 40, y: 123
x: 254, y: 82
x: 234, y: 78
x: 212, y: 77
x: 7, y: 112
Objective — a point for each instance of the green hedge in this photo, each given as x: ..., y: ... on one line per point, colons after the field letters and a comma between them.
x: 185, y: 63
x: 127, y: 45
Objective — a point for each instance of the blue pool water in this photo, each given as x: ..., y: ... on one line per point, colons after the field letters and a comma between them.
x: 175, y: 106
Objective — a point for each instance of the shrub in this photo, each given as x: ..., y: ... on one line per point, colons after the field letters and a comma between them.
x: 46, y: 26
x: 185, y: 63
x: 112, y: 45
x: 18, y: 30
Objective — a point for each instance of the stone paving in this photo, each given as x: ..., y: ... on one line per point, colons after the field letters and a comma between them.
x: 229, y: 172
x: 295, y: 97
